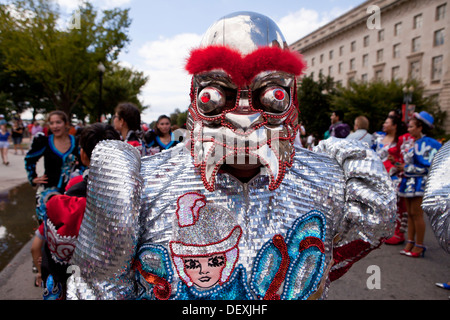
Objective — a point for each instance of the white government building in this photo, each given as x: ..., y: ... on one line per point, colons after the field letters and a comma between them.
x: 403, y: 39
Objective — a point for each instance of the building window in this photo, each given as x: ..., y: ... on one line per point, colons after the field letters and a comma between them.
x: 396, y: 51
x: 439, y: 38
x: 340, y: 67
x: 379, y: 74
x: 415, y: 44
x: 440, y: 12
x: 418, y: 21
x: 395, y: 73
x: 366, y: 41
x: 331, y: 54
x: 341, y: 50
x: 352, y: 64
x: 313, y: 62
x: 380, y: 55
x: 364, y: 78
x: 380, y: 35
x: 414, y: 70
x: 321, y: 58
x: 353, y: 46
x: 397, y: 29
x: 365, y: 60
x: 330, y: 71
x: 437, y: 68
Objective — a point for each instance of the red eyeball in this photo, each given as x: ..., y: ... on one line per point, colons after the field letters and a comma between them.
x: 275, y: 100
x: 279, y: 94
x: 206, y: 97
x: 211, y: 101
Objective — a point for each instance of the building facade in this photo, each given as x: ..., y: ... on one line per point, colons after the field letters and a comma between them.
x: 386, y: 39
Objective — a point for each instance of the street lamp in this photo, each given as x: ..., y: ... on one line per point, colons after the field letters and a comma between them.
x: 407, y: 99
x: 101, y: 70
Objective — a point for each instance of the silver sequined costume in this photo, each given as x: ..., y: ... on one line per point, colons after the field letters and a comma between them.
x: 132, y: 202
x: 436, y: 200
x: 176, y: 225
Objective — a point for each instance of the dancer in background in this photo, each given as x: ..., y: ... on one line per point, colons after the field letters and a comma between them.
x: 61, y: 158
x: 418, y: 159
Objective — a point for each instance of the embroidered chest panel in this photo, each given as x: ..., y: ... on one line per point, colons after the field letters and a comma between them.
x: 237, y: 243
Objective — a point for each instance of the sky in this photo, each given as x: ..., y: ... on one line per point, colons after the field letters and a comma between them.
x: 164, y: 32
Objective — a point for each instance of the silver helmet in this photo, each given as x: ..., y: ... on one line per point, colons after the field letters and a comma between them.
x: 245, y: 31
x: 243, y: 113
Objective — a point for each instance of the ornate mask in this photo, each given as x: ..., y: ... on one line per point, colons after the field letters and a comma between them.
x: 243, y: 110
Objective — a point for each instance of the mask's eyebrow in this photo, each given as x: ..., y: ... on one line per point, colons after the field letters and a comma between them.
x: 242, y: 69
x: 266, y: 78
x: 217, y: 58
x: 215, y: 77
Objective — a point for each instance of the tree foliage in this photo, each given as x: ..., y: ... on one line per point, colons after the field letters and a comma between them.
x: 315, y: 104
x: 318, y: 99
x: 62, y: 60
x: 377, y: 98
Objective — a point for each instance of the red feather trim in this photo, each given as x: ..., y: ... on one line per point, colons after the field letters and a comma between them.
x: 242, y: 69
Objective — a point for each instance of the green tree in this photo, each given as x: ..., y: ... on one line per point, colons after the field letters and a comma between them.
x: 63, y: 61
x: 377, y: 98
x: 315, y: 104
x: 19, y: 92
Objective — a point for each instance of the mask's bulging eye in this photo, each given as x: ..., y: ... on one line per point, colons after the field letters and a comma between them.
x: 274, y: 99
x: 211, y: 101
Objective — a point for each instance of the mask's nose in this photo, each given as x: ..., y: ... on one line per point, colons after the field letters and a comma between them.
x: 243, y: 117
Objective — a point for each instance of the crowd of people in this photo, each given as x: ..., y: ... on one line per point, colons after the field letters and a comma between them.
x: 61, y: 189
x: 405, y: 150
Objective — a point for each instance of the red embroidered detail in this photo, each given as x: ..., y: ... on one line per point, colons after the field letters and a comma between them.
x: 61, y: 247
x: 243, y: 69
x: 352, y: 252
x: 311, y: 242
x: 275, y: 285
x: 162, y: 287
x: 188, y: 207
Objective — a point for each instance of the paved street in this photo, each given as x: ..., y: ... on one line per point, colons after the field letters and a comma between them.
x: 401, y: 278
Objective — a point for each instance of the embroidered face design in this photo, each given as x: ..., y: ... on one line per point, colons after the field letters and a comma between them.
x: 204, y: 272
x: 243, y: 111
x: 205, y: 246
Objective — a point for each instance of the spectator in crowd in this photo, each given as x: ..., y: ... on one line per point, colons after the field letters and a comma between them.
x: 127, y: 121
x: 298, y: 137
x: 162, y: 137
x: 361, y: 127
x: 17, y: 135
x: 3, y: 120
x: 338, y: 128
x: 4, y: 143
x: 36, y: 128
